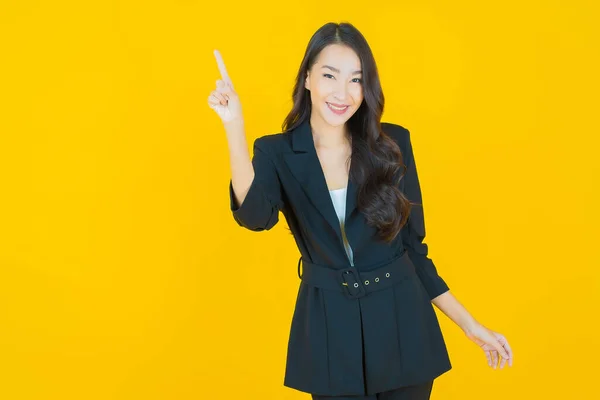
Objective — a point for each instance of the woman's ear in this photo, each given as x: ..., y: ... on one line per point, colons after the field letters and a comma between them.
x: 307, y: 81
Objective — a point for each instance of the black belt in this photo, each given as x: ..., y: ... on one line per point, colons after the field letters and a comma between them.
x: 353, y: 283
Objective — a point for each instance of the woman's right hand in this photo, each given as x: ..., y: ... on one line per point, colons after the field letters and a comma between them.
x: 224, y: 100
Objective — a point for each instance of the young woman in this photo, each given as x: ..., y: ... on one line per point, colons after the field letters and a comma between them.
x: 364, y: 326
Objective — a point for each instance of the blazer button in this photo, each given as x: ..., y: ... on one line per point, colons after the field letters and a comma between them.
x: 387, y: 274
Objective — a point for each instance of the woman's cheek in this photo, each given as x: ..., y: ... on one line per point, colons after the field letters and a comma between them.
x: 357, y: 92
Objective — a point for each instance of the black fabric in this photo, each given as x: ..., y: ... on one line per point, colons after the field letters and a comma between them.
x: 338, y: 345
x: 354, y: 283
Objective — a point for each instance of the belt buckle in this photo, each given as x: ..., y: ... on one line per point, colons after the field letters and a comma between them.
x: 352, y: 283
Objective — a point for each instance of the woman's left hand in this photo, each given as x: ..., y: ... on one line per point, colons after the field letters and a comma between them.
x: 493, y: 345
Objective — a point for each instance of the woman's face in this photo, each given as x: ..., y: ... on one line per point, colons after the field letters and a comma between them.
x: 335, y: 84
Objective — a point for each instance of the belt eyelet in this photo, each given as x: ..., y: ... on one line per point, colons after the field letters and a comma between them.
x: 366, y: 282
x: 356, y: 284
x: 377, y: 279
x: 387, y: 274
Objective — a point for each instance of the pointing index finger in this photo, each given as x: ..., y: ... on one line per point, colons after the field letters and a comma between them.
x: 222, y: 69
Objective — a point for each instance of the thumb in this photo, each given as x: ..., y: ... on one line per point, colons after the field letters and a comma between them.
x: 226, y: 87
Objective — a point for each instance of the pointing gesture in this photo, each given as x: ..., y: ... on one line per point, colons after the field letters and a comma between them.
x: 224, y: 100
x: 224, y: 75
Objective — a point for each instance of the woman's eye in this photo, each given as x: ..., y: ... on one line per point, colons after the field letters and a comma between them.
x: 356, y: 80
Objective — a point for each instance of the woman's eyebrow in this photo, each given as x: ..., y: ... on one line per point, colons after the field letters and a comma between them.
x: 338, y: 71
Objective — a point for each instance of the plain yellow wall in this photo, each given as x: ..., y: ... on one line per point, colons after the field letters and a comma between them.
x: 122, y: 272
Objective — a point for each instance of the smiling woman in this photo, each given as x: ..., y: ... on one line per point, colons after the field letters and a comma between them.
x: 338, y: 89
x: 363, y: 325
x: 341, y: 88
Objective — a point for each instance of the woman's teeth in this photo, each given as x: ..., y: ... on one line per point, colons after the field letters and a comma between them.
x: 337, y: 108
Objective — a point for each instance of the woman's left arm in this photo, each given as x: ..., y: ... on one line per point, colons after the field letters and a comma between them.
x: 413, y: 235
x: 492, y: 343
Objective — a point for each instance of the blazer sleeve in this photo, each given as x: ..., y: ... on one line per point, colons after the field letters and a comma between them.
x: 413, y: 232
x: 260, y: 209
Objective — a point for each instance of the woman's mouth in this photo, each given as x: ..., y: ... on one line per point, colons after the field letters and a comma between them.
x: 337, y: 110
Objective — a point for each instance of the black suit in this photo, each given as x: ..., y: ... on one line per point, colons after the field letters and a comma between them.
x: 340, y: 345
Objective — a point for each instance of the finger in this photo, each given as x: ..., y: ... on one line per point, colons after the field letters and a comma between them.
x: 214, y: 94
x: 509, y: 359
x: 497, y: 343
x: 502, y: 362
x: 500, y: 348
x: 221, y: 97
x: 508, y: 350
x: 222, y: 69
x: 212, y: 99
x: 494, y: 358
x: 488, y: 355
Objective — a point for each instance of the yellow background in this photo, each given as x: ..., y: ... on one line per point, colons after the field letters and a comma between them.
x: 122, y: 272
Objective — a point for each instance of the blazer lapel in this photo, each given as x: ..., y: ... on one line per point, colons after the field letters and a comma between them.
x: 306, y: 168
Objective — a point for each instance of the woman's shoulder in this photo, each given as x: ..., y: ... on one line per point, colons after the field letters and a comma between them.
x: 396, y: 130
x: 274, y: 144
x: 398, y: 133
x: 280, y: 142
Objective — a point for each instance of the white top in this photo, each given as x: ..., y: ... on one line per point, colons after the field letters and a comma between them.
x: 338, y: 197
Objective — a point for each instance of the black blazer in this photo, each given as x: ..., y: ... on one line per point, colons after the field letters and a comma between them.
x: 341, y: 346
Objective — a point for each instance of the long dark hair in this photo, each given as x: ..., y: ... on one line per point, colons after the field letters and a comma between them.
x: 376, y: 158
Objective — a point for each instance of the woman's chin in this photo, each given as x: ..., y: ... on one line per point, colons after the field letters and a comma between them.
x: 336, y: 120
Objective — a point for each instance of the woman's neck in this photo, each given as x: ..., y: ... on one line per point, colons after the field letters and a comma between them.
x: 327, y: 136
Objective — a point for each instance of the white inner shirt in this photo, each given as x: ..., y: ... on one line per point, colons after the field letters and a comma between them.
x: 338, y: 197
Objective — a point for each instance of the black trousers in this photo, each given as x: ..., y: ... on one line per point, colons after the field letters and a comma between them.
x: 416, y: 392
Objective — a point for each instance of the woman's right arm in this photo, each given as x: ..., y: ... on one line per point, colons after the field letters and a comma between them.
x: 242, y: 170
x: 254, y: 190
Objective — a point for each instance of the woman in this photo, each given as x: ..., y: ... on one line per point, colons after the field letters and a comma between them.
x: 364, y: 326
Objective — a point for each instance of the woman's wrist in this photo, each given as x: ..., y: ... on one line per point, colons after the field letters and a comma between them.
x: 470, y: 325
x: 454, y: 310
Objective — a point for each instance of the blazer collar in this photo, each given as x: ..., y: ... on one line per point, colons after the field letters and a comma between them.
x: 306, y: 168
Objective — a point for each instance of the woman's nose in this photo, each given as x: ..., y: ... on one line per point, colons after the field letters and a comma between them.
x: 341, y: 91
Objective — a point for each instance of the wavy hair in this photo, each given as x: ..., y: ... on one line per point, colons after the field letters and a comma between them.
x: 376, y: 158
